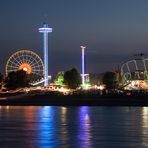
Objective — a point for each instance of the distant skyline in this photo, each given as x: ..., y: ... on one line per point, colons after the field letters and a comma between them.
x: 111, y: 30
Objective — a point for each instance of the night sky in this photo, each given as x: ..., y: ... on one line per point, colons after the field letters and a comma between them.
x: 112, y: 30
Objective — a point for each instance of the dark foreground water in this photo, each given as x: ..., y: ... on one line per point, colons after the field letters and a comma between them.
x: 73, y: 127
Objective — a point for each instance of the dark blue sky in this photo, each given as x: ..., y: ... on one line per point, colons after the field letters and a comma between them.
x: 113, y: 30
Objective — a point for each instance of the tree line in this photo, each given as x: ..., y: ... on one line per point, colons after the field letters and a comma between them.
x: 15, y: 79
x: 20, y: 79
x: 71, y: 79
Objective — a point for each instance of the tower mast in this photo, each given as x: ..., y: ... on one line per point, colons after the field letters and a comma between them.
x: 45, y: 30
x: 83, y: 65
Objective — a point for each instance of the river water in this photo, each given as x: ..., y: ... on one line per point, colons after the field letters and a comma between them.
x: 73, y: 127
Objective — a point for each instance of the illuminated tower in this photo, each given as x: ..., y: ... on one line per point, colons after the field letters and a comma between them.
x: 45, y: 30
x: 83, y: 65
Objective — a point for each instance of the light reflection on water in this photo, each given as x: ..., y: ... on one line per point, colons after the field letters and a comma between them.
x: 145, y: 125
x: 73, y: 127
x: 64, y: 138
x: 84, y: 128
x: 47, y: 127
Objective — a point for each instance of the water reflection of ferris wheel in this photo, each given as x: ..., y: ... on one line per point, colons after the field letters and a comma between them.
x: 25, y: 60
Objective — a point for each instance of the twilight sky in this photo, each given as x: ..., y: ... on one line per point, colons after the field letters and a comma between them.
x: 112, y: 30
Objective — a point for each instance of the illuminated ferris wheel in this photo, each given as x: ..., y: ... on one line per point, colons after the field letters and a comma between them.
x: 25, y: 60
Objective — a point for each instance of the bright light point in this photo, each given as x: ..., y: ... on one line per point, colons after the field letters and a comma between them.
x: 64, y: 110
x: 86, y: 86
x: 87, y: 117
x: 101, y: 87
x: 65, y: 91
x: 83, y: 47
x: 45, y: 30
x: 25, y: 69
x: 136, y: 84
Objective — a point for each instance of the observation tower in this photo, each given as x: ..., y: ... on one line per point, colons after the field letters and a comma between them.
x: 83, y: 65
x: 45, y: 30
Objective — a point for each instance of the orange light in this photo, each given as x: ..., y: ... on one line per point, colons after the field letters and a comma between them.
x: 26, y: 67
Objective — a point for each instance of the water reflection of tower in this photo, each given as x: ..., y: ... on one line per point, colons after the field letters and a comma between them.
x: 45, y: 30
x: 85, y: 133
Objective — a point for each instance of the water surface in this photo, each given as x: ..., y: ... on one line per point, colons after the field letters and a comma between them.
x: 73, y: 127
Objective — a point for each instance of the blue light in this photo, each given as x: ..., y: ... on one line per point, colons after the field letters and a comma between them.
x: 83, y: 65
x: 45, y: 30
x: 47, y: 128
x: 46, y: 59
x: 84, y: 133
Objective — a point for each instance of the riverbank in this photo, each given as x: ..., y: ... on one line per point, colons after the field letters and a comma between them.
x: 81, y: 99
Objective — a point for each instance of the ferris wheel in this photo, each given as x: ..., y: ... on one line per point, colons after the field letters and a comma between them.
x: 25, y: 60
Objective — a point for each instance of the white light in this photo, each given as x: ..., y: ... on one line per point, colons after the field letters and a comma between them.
x: 45, y: 30
x: 25, y: 69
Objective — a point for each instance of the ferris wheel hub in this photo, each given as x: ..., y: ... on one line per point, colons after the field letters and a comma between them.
x: 26, y: 67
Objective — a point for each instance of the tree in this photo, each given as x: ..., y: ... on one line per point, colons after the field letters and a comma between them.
x: 72, y: 78
x: 110, y: 80
x: 17, y: 79
x: 1, y: 78
x: 59, y: 80
x: 34, y: 77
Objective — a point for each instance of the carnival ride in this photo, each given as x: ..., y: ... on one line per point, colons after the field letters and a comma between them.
x: 28, y: 61
x: 134, y: 73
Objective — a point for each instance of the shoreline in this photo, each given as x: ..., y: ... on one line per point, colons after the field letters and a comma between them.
x: 73, y: 100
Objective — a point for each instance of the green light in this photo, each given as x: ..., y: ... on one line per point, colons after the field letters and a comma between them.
x: 59, y: 79
x: 86, y: 85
